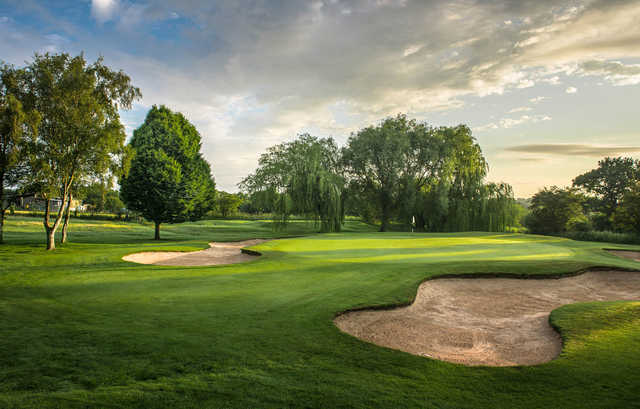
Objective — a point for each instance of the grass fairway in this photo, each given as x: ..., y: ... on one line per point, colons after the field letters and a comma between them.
x: 81, y: 328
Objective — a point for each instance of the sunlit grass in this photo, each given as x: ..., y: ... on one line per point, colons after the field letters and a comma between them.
x: 82, y: 328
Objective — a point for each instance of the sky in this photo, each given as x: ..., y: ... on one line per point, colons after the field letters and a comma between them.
x: 548, y: 87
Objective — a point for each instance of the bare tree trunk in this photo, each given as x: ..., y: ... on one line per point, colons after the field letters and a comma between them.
x: 51, y: 243
x: 2, y: 210
x: 51, y: 229
x: 420, y: 223
x: 384, y: 223
x: 157, y: 237
x: 65, y: 225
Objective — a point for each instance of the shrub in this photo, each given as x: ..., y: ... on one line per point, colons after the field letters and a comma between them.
x: 552, y: 209
x: 604, y: 236
x: 579, y: 224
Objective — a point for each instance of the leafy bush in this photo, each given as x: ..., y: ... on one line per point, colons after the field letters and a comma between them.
x: 627, y: 215
x: 579, y: 224
x: 600, y: 221
x: 553, y: 209
x: 604, y: 236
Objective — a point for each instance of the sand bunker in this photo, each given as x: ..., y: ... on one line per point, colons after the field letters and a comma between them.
x: 633, y: 255
x: 486, y: 321
x: 217, y: 254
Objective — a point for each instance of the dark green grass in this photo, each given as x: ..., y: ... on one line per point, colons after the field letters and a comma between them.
x: 81, y: 328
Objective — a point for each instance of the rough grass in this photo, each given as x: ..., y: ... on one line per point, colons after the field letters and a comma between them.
x: 81, y: 328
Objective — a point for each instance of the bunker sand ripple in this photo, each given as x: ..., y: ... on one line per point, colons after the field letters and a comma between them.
x: 486, y: 321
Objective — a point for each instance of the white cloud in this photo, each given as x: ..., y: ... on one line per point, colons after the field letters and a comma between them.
x: 615, y: 72
x: 507, y: 123
x: 529, y: 41
x: 412, y: 49
x: 525, y: 83
x: 56, y: 38
x: 571, y: 90
x: 537, y: 100
x: 555, y: 80
x: 486, y: 127
x: 598, y: 29
x: 104, y: 10
x: 511, y: 122
x: 520, y: 109
x: 260, y: 74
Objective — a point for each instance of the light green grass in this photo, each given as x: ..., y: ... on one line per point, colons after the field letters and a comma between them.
x: 82, y: 328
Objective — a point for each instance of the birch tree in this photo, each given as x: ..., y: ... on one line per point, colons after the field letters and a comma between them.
x: 80, y: 132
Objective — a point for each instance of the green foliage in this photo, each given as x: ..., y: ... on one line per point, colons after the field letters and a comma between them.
x: 154, y: 187
x: 169, y: 181
x: 15, y: 125
x: 389, y: 164
x: 434, y: 176
x: 113, y: 203
x: 604, y: 236
x: 93, y: 196
x: 300, y: 177
x: 627, y: 215
x: 612, y: 202
x: 227, y: 203
x: 555, y: 210
x: 80, y: 135
x: 99, y: 198
x: 599, y: 221
x: 580, y: 223
x: 609, y: 182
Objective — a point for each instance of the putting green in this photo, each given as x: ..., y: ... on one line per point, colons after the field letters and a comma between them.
x: 82, y: 328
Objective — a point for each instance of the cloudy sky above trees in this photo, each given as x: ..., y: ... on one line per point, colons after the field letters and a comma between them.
x: 548, y: 87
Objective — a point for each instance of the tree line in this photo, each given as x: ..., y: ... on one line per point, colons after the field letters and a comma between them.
x: 400, y: 173
x: 606, y: 198
x: 60, y: 131
x: 61, y: 136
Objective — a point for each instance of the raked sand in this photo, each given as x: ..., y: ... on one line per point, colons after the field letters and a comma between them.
x: 216, y: 254
x: 486, y: 321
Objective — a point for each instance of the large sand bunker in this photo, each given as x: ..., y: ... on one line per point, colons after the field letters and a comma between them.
x: 486, y: 321
x: 216, y: 254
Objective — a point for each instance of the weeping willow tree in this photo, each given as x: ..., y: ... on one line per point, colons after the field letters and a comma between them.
x: 499, y: 208
x: 390, y: 164
x: 301, y: 177
x: 466, y: 191
x: 456, y: 197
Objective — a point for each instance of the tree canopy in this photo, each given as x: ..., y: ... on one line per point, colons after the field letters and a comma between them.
x: 168, y: 181
x: 426, y: 177
x: 300, y: 177
x: 609, y: 182
x: 387, y: 164
x: 553, y: 210
x: 80, y: 133
x: 15, y: 124
x: 100, y: 197
x: 627, y: 215
x: 399, y: 170
x: 227, y: 203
